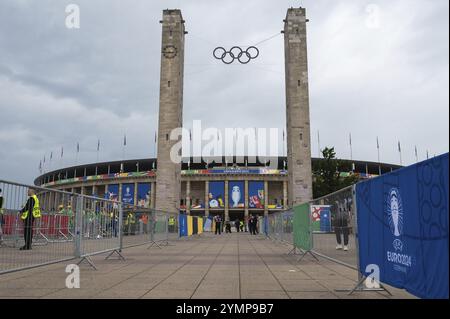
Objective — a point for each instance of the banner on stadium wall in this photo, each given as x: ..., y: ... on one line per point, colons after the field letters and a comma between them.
x: 216, y: 194
x: 321, y: 218
x: 302, y: 227
x: 144, y: 194
x: 183, y: 225
x: 256, y: 195
x: 236, y: 193
x: 128, y: 194
x: 113, y: 192
x: 403, y: 227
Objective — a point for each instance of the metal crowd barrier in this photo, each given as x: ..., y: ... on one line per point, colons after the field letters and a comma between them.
x: 74, y: 226
x: 331, y: 227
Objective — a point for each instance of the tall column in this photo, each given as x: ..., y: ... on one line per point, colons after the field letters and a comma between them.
x: 135, y: 193
x: 120, y: 193
x: 285, y: 195
x: 206, y: 198
x: 152, y: 195
x: 227, y: 213
x: 266, y: 198
x: 297, y: 107
x: 168, y: 186
x: 246, y: 198
x: 188, y: 197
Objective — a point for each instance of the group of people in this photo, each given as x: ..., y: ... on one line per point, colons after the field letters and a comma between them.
x: 239, y: 225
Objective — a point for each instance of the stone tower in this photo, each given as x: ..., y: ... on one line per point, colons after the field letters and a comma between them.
x: 168, y: 182
x: 297, y: 107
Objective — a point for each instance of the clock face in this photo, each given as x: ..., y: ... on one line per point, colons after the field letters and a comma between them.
x: 170, y: 51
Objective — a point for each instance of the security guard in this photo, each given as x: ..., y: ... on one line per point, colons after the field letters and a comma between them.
x: 129, y: 222
x: 171, y: 224
x: 30, y: 211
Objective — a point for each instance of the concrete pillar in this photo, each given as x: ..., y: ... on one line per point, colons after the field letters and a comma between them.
x: 120, y: 192
x: 94, y: 189
x: 135, y: 193
x: 152, y: 195
x: 266, y: 198
x: 188, y: 197
x: 285, y: 195
x: 246, y: 198
x: 227, y: 213
x: 297, y: 107
x: 168, y: 186
x: 206, y: 198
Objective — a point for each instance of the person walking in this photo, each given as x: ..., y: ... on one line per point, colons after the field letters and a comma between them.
x: 250, y: 224
x: 241, y: 226
x: 236, y: 224
x: 30, y: 211
x: 218, y: 221
x: 255, y: 225
x: 341, y: 226
x: 228, y: 227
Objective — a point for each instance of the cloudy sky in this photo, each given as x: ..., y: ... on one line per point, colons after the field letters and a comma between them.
x: 377, y: 68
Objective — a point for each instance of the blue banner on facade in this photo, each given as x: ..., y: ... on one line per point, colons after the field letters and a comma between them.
x: 256, y: 195
x: 183, y: 225
x: 113, y: 192
x: 236, y: 193
x: 216, y: 194
x: 128, y: 194
x: 403, y: 227
x: 143, y: 194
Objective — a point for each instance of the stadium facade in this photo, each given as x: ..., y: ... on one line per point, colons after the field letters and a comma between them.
x: 234, y: 191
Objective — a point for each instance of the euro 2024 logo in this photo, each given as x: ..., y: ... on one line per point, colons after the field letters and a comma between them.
x: 394, y: 208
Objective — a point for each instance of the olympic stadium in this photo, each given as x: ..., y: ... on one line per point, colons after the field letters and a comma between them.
x: 234, y: 191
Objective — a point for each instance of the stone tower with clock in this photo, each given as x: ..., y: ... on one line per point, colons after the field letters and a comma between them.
x: 297, y: 108
x: 168, y: 183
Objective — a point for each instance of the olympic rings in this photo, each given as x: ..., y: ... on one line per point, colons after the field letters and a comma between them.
x: 236, y: 53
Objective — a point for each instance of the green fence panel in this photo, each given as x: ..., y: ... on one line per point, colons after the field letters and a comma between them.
x: 302, y: 227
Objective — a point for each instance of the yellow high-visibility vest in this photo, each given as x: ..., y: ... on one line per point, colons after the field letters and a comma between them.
x: 171, y: 221
x: 36, y: 209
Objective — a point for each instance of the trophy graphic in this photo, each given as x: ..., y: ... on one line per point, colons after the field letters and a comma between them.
x: 395, y: 213
x: 236, y: 196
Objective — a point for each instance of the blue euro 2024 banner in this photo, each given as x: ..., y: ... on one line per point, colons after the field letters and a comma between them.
x: 113, y: 192
x: 256, y: 195
x: 143, y: 194
x: 236, y: 194
x: 216, y: 194
x: 403, y: 227
x: 128, y: 194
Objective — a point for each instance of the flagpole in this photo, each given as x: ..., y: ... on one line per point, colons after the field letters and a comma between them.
x: 351, y: 149
x: 154, y: 148
x: 400, y: 153
x: 417, y: 157
x: 98, y: 150
x: 379, y: 162
x: 78, y: 151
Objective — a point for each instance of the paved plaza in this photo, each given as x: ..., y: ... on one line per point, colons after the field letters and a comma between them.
x: 235, y: 266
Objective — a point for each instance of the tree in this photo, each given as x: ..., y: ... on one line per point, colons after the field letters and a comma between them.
x: 326, y: 174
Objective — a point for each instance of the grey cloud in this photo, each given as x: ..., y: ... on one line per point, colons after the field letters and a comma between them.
x: 59, y: 86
